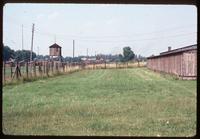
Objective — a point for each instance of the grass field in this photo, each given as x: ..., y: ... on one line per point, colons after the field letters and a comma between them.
x: 124, y: 102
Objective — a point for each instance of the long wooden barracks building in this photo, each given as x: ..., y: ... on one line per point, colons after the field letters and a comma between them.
x: 181, y: 62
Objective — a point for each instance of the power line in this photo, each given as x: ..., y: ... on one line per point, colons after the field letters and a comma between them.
x: 87, y: 52
x: 145, y: 39
x: 55, y: 38
x: 73, y: 47
x: 22, y: 38
x: 177, y: 35
x: 101, y: 37
x: 32, y: 42
x: 38, y: 51
x: 101, y: 40
x: 112, y: 36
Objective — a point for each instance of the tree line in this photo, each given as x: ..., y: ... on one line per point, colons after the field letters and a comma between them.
x: 24, y: 55
x: 19, y: 55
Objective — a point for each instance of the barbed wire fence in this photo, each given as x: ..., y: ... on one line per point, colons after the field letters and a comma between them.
x: 21, y: 70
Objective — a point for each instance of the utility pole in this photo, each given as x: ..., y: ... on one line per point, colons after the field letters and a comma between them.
x: 22, y: 39
x: 32, y: 42
x: 55, y: 38
x: 87, y: 52
x: 73, y: 47
x: 38, y: 50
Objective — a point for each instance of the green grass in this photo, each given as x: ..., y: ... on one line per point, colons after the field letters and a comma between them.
x: 124, y: 102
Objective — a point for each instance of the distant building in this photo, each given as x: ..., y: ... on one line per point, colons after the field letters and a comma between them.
x: 55, y: 51
x: 87, y: 60
x: 181, y: 62
x: 91, y: 60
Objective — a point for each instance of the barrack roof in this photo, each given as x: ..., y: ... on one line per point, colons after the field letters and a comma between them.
x: 178, y: 50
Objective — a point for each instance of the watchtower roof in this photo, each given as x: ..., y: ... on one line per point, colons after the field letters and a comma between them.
x: 55, y: 46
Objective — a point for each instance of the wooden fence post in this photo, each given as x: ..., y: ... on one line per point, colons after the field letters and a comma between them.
x: 34, y: 69
x: 17, y: 73
x: 27, y: 69
x: 63, y: 67
x: 69, y: 67
x: 30, y: 69
x: 138, y: 63
x: 60, y: 69
x: 47, y: 68
x: 52, y: 67
x: 39, y: 68
x: 43, y: 64
x: 4, y: 71
x: 56, y: 67
x: 11, y: 69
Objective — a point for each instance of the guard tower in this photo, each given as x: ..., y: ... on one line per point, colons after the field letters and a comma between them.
x: 55, y: 52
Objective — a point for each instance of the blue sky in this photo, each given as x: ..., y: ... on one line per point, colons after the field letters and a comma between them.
x: 102, y: 28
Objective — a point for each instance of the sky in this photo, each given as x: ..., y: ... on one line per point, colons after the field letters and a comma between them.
x: 100, y: 28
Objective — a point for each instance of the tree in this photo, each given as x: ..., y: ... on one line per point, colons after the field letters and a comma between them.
x: 141, y: 58
x: 76, y: 59
x: 121, y: 58
x: 127, y: 54
x: 8, y: 53
x: 21, y: 55
x: 46, y: 57
x: 41, y: 57
x: 68, y: 59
